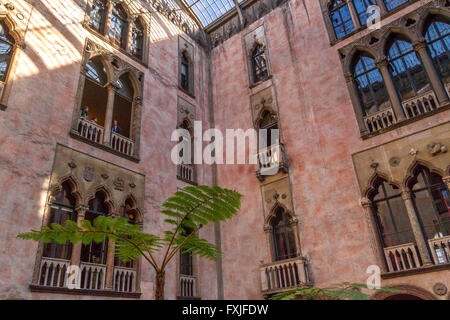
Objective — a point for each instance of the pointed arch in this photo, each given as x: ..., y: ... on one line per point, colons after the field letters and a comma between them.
x: 393, y: 32
x: 374, y: 180
x: 134, y: 207
x: 136, y: 84
x: 74, y: 185
x: 355, y: 53
x: 415, y: 165
x: 262, y: 114
x: 90, y: 195
x: 430, y: 14
x: 273, y: 212
x: 13, y: 27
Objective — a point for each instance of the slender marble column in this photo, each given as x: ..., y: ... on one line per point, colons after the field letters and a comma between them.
x: 353, y: 14
x: 76, y: 250
x: 357, y: 108
x: 109, y: 115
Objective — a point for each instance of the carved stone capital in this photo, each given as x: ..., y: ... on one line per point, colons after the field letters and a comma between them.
x: 420, y: 44
x: 382, y: 62
x: 446, y: 180
x: 348, y: 77
x: 81, y: 210
x: 366, y: 202
x: 406, y: 194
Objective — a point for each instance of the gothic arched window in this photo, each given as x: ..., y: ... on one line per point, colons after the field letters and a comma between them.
x: 431, y: 199
x: 62, y: 209
x: 392, y: 4
x: 438, y: 40
x: 409, y: 75
x: 269, y: 122
x: 6, y: 50
x: 341, y: 18
x: 186, y: 260
x: 119, y: 26
x: 369, y: 82
x: 259, y: 63
x: 97, y: 15
x: 361, y: 9
x: 137, y: 39
x: 391, y: 215
x: 96, y: 252
x: 184, y: 72
x: 283, y: 235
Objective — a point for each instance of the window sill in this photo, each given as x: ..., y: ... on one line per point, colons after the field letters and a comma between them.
x: 74, y: 134
x: 406, y: 122
x: 410, y: 272
x: 114, y: 45
x: 190, y: 94
x: 255, y: 84
x: 85, y: 292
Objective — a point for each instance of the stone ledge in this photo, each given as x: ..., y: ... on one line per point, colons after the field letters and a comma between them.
x: 188, y: 298
x: 410, y: 272
x: 85, y: 292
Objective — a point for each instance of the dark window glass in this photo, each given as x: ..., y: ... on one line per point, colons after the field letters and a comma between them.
x: 96, y: 71
x: 438, y: 39
x: 125, y: 86
x: 391, y: 215
x: 186, y: 260
x: 6, y: 50
x: 62, y: 209
x: 95, y: 252
x: 283, y: 236
x: 432, y: 203
x: 97, y: 15
x: 372, y: 91
x: 137, y: 39
x: 184, y: 74
x: 392, y: 4
x: 259, y: 63
x: 119, y: 26
x: 340, y: 18
x: 361, y: 9
x: 407, y: 71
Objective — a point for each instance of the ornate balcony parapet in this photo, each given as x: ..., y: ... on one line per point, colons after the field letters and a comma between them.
x: 188, y: 286
x: 90, y: 130
x: 271, y: 160
x: 52, y: 272
x: 92, y: 276
x: 402, y: 257
x: 420, y: 104
x: 440, y: 249
x: 380, y: 120
x: 122, y: 144
x: 283, y: 275
x: 186, y: 172
x: 124, y: 279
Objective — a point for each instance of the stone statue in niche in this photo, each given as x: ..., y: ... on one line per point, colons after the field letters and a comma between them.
x: 436, y: 148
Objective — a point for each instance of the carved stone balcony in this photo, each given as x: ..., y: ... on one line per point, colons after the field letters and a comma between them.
x: 124, y: 279
x: 440, y: 249
x: 283, y: 275
x: 90, y: 130
x: 421, y: 104
x: 186, y: 172
x: 271, y: 160
x: 380, y: 120
x: 122, y: 144
x: 188, y: 286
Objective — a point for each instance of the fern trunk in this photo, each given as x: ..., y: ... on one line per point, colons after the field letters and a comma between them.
x: 160, y: 281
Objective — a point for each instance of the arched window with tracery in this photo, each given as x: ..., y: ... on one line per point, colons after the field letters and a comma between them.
x: 391, y: 215
x: 118, y: 26
x: 431, y: 200
x: 259, y: 63
x: 97, y: 15
x: 184, y: 72
x: 361, y: 9
x: 62, y: 209
x: 137, y: 39
x: 283, y: 235
x: 269, y: 122
x: 409, y: 75
x: 370, y: 85
x: 96, y: 252
x: 340, y: 18
x: 6, y: 51
x: 437, y: 36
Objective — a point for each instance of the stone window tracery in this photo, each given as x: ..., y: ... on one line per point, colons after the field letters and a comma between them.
x: 438, y: 39
x: 259, y: 63
x: 341, y: 18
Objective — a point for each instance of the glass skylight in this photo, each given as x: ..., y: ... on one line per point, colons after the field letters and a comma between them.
x: 209, y: 11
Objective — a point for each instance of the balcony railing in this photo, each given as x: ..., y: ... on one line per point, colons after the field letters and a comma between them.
x: 402, y: 257
x: 440, y: 249
x: 92, y: 276
x: 186, y: 172
x: 188, y: 286
x: 122, y: 144
x: 90, y: 130
x: 52, y: 272
x: 421, y: 104
x: 283, y: 275
x: 270, y: 160
x: 124, y: 279
x: 380, y: 120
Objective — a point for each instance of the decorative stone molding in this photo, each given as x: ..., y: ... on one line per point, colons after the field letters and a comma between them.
x: 250, y: 40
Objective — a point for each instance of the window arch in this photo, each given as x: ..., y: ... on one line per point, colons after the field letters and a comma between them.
x: 437, y: 36
x: 96, y: 252
x: 119, y: 26
x: 283, y: 235
x: 370, y: 85
x: 62, y: 209
x: 390, y: 214
x: 137, y: 39
x: 408, y: 73
x: 6, y: 50
x: 97, y: 15
x: 259, y: 63
x: 340, y: 18
x: 431, y: 201
x: 184, y: 72
x: 361, y: 9
x: 269, y: 121
x: 392, y: 4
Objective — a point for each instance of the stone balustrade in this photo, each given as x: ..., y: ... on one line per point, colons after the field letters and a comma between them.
x: 52, y: 272
x: 90, y: 130
x: 402, y: 257
x: 124, y: 279
x: 282, y: 275
x: 92, y: 276
x: 271, y: 159
x: 380, y: 120
x: 440, y: 249
x: 186, y: 172
x: 420, y: 104
x: 122, y: 144
x: 188, y: 286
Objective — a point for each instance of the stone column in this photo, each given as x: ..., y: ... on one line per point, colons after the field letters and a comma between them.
x: 421, y: 48
x: 109, y: 8
x: 129, y: 34
x: 417, y: 230
x: 109, y: 114
x: 357, y: 107
x: 382, y: 6
x: 353, y: 14
x: 382, y: 65
x: 110, y: 265
x: 294, y: 226
x: 375, y: 238
x: 447, y: 181
x: 76, y: 250
x: 270, y: 254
